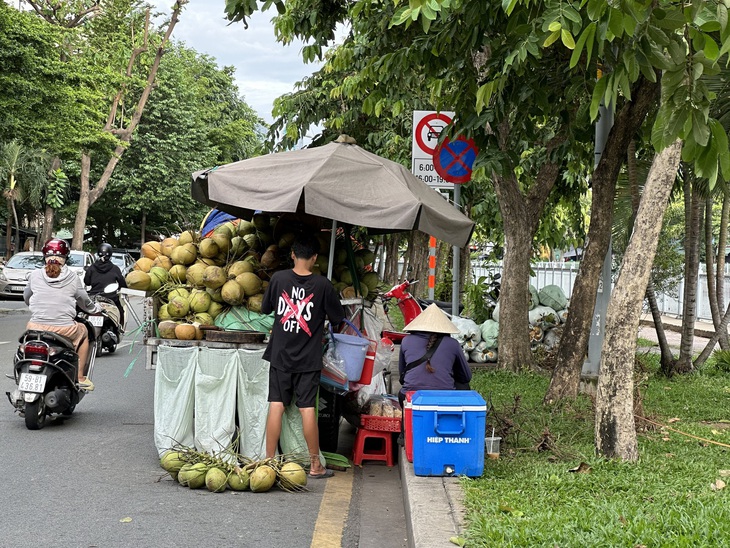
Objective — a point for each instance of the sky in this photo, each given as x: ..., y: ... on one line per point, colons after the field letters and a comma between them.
x: 265, y: 69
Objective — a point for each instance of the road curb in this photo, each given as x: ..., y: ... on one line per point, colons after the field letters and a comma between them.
x: 433, y: 506
x: 699, y: 330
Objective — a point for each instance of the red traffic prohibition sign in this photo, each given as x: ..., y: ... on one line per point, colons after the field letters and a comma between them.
x: 453, y: 160
x: 428, y: 131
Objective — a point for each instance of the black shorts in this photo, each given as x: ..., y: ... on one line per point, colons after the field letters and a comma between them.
x: 282, y: 385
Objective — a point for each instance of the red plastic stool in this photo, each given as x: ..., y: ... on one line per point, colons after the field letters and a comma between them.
x: 385, y: 453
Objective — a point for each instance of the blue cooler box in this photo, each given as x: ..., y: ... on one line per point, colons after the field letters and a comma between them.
x: 448, y: 432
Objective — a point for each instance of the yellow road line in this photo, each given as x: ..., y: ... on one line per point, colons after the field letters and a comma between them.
x: 333, y: 511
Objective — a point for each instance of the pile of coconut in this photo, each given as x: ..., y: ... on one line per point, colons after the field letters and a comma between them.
x: 548, y: 311
x: 195, y: 278
x: 217, y: 473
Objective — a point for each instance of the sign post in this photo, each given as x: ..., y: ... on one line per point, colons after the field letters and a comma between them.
x: 441, y: 165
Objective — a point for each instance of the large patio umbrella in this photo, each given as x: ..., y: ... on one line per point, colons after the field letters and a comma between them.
x: 339, y: 181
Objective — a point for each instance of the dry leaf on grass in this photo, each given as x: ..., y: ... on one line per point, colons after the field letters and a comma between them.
x: 719, y: 484
x: 675, y: 419
x: 582, y: 468
x: 724, y: 473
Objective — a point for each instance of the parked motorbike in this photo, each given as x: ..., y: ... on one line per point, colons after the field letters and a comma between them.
x: 109, y: 332
x: 409, y: 306
x: 45, y: 370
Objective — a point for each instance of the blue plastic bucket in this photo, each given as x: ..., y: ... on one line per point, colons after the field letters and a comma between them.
x: 353, y: 351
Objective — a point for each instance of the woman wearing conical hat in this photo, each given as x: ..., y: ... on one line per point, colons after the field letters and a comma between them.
x: 430, y: 359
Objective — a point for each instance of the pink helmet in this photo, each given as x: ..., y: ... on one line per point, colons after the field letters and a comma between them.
x: 56, y: 247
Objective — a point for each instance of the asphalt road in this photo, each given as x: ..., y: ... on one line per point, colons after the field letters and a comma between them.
x: 94, y: 480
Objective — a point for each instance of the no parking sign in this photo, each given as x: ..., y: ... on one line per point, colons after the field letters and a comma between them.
x: 439, y: 166
x: 453, y: 160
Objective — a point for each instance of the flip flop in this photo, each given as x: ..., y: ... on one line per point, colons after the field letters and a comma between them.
x: 327, y: 474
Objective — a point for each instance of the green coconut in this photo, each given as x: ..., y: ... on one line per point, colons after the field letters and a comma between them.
x: 371, y: 280
x: 346, y: 276
x: 239, y: 481
x: 366, y: 255
x: 184, y: 254
x: 245, y: 227
x: 239, y: 267
x: 232, y: 293
x: 215, y: 308
x: 254, y: 302
x: 182, y: 474
x: 138, y: 279
x: 172, y: 461
x: 167, y: 329
x: 252, y: 241
x: 178, y: 273
x: 179, y: 292
x: 238, y: 246
x: 225, y: 230
x: 203, y: 318
x: 208, y: 248
x: 261, y: 221
x: 215, y: 294
x: 223, y: 240
x: 324, y: 242
x: 178, y: 307
x: 216, y: 480
x: 162, y: 313
x: 214, y: 277
x: 322, y: 262
x: 199, y: 301
x: 340, y: 256
x: 187, y: 237
x: 155, y: 283
x: 265, y: 238
x: 161, y: 273
x: 294, y: 473
x: 194, y: 274
x: 262, y: 479
x: 250, y: 283
x: 195, y: 475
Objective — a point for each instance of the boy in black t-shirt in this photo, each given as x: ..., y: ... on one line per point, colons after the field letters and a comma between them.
x: 300, y: 300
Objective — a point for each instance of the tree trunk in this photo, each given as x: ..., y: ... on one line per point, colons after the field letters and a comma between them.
x: 143, y: 229
x: 667, y: 358
x: 9, y: 230
x: 521, y: 214
x: 418, y: 261
x: 720, y: 271
x: 615, y: 431
x: 693, y: 220
x: 90, y: 195
x: 574, y: 340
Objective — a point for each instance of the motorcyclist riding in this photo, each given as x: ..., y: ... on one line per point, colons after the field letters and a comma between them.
x: 103, y: 273
x: 52, y: 295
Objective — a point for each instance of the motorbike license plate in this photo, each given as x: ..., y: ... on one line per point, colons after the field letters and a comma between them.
x: 32, y: 383
x: 96, y: 321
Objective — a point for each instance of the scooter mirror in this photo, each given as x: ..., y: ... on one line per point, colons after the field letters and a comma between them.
x: 111, y: 288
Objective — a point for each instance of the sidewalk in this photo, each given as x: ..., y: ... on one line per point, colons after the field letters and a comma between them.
x: 434, y: 505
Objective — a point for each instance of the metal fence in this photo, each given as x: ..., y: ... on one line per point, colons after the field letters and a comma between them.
x: 564, y: 274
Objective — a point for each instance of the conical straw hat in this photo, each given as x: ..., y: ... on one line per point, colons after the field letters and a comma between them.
x: 432, y: 320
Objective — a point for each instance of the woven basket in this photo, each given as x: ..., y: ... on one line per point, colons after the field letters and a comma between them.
x: 384, y: 424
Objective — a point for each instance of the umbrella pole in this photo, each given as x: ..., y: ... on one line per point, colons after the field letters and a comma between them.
x: 330, y: 262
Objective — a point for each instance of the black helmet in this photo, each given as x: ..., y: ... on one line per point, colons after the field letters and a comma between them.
x: 104, y: 252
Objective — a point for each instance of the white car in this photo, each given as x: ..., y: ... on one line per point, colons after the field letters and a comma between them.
x: 15, y: 273
x: 124, y: 261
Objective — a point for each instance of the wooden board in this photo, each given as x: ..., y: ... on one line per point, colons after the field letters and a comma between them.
x: 235, y: 336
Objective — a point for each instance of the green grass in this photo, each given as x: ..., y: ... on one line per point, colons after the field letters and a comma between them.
x: 529, y: 498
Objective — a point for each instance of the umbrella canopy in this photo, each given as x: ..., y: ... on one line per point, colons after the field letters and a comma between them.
x: 339, y: 181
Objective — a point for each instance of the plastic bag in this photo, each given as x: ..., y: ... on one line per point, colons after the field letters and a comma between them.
x: 383, y: 355
x: 384, y: 406
x: 333, y: 369
x: 366, y: 391
x: 553, y: 296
